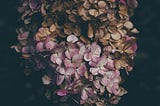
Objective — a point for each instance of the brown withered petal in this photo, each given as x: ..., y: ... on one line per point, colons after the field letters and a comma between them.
x: 26, y: 56
x: 72, y: 18
x: 77, y: 31
x: 123, y: 10
x: 83, y: 39
x: 122, y: 32
x: 132, y: 3
x: 90, y: 31
x: 99, y: 33
x: 134, y: 30
x: 93, y: 12
x: 119, y: 64
x: 101, y: 4
x: 91, y: 1
x: 86, y: 4
x: 52, y: 28
x: 116, y: 36
x: 68, y: 31
x: 128, y: 25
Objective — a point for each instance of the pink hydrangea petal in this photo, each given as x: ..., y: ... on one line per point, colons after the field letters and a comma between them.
x: 87, y: 57
x: 61, y: 70
x: 67, y: 54
x: 62, y: 92
x: 95, y: 58
x: 94, y: 71
x: 50, y: 45
x: 40, y: 46
x: 95, y: 49
x: 53, y: 58
x: 73, y: 51
x: 84, y: 95
x: 68, y: 63
x: 60, y: 79
x: 123, y: 2
x: 97, y: 84
x: 93, y: 64
x: 104, y: 81
x: 70, y: 71
x: 59, y: 61
x: 72, y: 38
x: 82, y: 69
x: 82, y: 50
x: 134, y: 47
x: 77, y: 57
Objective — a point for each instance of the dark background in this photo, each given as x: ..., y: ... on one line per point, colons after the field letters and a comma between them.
x: 143, y: 84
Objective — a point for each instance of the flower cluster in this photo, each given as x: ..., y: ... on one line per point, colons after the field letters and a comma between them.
x: 81, y: 46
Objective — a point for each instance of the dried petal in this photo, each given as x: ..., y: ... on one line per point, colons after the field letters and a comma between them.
x: 46, y: 80
x: 102, y: 4
x: 116, y: 36
x: 128, y: 25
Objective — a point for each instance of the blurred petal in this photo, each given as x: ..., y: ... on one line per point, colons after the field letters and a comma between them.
x: 40, y: 46
x: 60, y: 79
x: 62, y: 92
x: 46, y: 80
